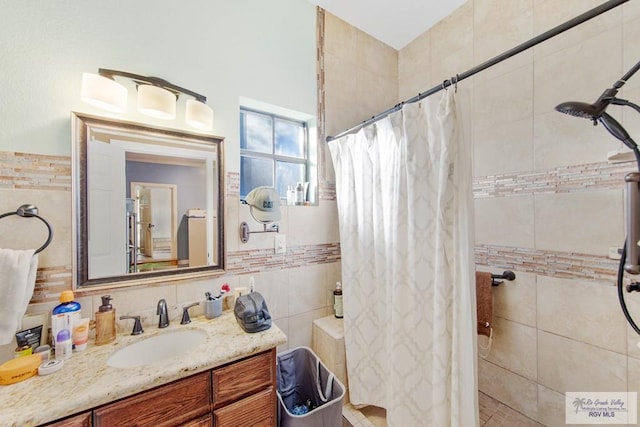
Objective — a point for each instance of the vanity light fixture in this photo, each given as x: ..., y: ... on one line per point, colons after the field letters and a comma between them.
x: 156, y: 102
x: 156, y: 97
x: 104, y: 93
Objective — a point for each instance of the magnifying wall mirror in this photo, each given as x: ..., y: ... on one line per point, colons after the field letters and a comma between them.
x: 148, y: 203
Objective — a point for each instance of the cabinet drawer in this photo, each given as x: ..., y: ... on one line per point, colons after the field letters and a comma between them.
x: 80, y: 420
x: 258, y: 410
x: 167, y: 405
x: 244, y: 378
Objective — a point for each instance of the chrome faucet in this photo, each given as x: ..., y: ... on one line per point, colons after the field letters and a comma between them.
x: 163, y: 320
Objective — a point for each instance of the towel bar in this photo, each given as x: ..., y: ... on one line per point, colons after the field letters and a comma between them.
x: 28, y: 211
x: 507, y: 275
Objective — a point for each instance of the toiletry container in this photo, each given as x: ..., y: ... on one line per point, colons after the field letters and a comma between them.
x: 64, y: 315
x: 337, y: 300
x: 105, y: 322
x: 63, y: 344
x: 299, y: 194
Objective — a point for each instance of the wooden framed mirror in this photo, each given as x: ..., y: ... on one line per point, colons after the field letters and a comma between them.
x: 147, y: 203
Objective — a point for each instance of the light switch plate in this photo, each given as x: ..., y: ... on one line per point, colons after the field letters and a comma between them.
x: 280, y: 243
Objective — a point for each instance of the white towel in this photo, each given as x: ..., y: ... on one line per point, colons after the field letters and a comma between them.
x: 17, y: 280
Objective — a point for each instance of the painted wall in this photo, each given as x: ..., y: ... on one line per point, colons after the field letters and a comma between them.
x: 263, y: 51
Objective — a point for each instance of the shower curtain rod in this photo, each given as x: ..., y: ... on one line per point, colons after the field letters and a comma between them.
x: 490, y: 63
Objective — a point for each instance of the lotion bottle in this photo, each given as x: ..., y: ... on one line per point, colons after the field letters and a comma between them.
x: 105, y: 322
x: 337, y: 301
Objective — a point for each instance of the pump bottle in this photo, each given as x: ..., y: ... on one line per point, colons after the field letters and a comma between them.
x: 337, y: 301
x: 105, y: 322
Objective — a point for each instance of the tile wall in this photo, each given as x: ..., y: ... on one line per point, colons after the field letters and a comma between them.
x: 548, y: 205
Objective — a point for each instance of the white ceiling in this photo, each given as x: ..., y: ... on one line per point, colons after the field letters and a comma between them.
x: 395, y: 22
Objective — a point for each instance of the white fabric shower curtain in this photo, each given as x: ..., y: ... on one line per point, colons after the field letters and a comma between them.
x: 403, y: 188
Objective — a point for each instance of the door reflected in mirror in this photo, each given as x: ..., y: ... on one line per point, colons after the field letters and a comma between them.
x: 147, y: 202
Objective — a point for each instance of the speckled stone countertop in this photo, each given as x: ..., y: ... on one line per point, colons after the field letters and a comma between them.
x: 86, y: 381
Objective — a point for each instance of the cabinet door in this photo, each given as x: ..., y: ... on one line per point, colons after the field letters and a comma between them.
x: 258, y: 410
x: 80, y: 420
x: 244, y: 378
x: 167, y: 405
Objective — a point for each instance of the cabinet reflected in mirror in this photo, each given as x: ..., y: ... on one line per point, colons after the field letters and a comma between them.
x: 146, y: 202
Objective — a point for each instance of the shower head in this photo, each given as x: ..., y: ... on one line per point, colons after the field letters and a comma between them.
x: 588, y: 111
x: 596, y: 113
x: 581, y: 109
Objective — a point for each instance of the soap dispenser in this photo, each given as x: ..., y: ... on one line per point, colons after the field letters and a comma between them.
x: 105, y: 322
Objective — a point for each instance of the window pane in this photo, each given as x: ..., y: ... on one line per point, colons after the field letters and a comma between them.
x: 288, y: 174
x: 257, y: 133
x: 254, y: 173
x: 289, y: 139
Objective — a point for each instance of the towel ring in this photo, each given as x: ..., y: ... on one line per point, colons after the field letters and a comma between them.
x: 28, y: 211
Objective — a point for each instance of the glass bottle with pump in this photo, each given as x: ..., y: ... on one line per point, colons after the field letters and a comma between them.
x: 337, y: 301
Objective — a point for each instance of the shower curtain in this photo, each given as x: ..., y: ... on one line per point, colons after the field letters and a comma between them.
x: 403, y: 187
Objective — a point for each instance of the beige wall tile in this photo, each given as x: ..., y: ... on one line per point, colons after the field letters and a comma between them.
x: 274, y: 286
x: 550, y: 13
x: 509, y: 388
x: 283, y: 324
x: 569, y: 74
x: 339, y: 38
x: 142, y: 301
x: 586, y: 222
x: 630, y: 118
x: 563, y: 140
x: 516, y: 300
x: 551, y: 407
x: 307, y: 289
x: 634, y: 377
x: 503, y: 148
x: 232, y: 224
x: 301, y: 333
x: 569, y: 365
x: 630, y: 37
x: 633, y: 339
x: 446, y: 35
x: 446, y: 67
x: 313, y: 224
x: 503, y: 100
x: 582, y: 310
x: 377, y: 57
x: 505, y: 221
x: 30, y: 233
x: 514, y: 348
x: 498, y: 27
x: 413, y: 66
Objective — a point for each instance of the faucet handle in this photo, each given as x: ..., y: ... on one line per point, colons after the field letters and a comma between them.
x: 185, y: 313
x: 137, y: 326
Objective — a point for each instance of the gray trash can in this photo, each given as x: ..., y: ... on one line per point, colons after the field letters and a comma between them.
x: 309, y: 395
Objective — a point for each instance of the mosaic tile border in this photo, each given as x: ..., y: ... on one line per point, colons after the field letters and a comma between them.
x: 255, y: 261
x: 34, y: 171
x: 567, y: 265
x: 559, y: 180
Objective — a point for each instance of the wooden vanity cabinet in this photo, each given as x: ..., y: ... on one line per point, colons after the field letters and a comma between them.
x: 241, y: 393
x: 78, y: 420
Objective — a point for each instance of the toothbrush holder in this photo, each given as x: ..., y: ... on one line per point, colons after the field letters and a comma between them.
x: 213, y: 308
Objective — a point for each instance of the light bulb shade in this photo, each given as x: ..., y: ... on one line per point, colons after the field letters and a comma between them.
x: 157, y: 102
x: 104, y: 93
x: 199, y: 115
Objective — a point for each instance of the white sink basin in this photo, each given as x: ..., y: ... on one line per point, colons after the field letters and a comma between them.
x: 156, y: 349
